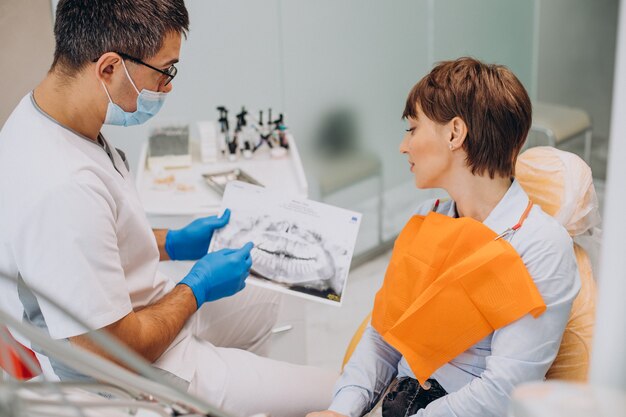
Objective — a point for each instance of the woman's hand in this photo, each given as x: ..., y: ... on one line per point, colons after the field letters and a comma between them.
x: 326, y: 413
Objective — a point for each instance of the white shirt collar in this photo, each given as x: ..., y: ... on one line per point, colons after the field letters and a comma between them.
x: 507, y: 212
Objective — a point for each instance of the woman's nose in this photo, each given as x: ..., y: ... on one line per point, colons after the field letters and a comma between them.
x: 404, y: 144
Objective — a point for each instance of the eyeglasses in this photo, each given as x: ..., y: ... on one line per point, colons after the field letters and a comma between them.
x: 170, y: 72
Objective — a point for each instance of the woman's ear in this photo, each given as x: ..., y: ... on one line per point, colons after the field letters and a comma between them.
x: 458, y: 132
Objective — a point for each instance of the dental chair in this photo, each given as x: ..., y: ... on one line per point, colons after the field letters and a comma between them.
x: 12, y: 354
x: 134, y: 389
x: 561, y: 183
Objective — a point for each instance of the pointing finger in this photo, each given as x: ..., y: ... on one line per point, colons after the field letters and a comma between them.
x: 247, y: 248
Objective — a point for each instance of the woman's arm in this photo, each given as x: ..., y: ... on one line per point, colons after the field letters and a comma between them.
x: 371, y: 368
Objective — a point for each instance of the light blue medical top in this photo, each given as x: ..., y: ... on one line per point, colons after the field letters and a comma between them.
x: 479, y: 381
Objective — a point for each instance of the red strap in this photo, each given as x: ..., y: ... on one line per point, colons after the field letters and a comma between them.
x: 11, y: 358
x: 524, y: 215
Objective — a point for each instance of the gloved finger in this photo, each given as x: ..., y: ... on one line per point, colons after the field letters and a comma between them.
x: 244, y: 252
x: 245, y: 249
x: 221, y: 221
x: 248, y: 263
x: 227, y: 251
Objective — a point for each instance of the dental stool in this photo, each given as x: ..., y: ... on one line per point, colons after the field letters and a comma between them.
x: 560, y: 124
x: 560, y: 182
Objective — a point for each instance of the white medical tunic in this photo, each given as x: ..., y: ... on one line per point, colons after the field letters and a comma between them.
x: 72, y: 228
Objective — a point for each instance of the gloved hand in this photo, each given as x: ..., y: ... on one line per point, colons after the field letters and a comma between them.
x: 192, y: 241
x: 219, y: 274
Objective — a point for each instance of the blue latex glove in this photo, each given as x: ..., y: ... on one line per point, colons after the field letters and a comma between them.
x: 219, y: 274
x: 192, y: 241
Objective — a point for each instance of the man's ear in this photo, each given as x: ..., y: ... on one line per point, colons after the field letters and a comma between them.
x: 458, y: 132
x: 106, y: 66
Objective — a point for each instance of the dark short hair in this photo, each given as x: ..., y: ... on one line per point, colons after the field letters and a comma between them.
x: 86, y: 29
x: 491, y: 101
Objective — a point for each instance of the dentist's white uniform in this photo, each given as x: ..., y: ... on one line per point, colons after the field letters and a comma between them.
x: 72, y: 227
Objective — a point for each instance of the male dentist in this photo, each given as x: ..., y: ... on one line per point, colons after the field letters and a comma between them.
x: 72, y: 226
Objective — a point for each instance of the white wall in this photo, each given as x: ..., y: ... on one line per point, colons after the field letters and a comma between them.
x: 306, y: 58
x: 576, y: 53
x: 496, y: 31
x: 359, y: 55
x: 302, y: 57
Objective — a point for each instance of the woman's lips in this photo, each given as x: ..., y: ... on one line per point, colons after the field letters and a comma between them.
x: 412, y: 165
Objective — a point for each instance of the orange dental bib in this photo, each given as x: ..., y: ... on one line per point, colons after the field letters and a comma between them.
x: 449, y: 284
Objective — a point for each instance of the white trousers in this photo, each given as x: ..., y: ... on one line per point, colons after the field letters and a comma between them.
x: 229, y: 376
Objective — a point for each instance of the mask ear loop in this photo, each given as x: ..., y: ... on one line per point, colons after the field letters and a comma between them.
x: 106, y: 91
x: 130, y: 79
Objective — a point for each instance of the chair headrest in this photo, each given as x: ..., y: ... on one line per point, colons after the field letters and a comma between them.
x: 561, y: 183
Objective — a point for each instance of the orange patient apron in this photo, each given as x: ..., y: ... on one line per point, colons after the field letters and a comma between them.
x: 450, y: 283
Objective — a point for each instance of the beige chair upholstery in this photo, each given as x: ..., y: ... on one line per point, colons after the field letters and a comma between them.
x: 560, y: 182
x: 572, y: 361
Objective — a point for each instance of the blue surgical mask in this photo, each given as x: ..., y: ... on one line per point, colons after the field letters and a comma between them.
x: 148, y: 104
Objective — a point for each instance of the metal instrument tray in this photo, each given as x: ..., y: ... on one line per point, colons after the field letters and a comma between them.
x: 218, y: 180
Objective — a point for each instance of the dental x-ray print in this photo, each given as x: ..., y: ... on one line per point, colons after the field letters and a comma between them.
x: 301, y: 247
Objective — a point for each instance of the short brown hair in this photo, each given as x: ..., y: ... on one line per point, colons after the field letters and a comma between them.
x: 491, y: 101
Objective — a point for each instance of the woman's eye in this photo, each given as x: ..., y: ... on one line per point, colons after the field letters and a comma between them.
x: 411, y: 129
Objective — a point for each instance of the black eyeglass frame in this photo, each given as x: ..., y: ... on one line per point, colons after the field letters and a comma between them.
x: 170, y: 72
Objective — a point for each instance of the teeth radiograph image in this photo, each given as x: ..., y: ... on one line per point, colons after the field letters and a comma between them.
x: 288, y: 253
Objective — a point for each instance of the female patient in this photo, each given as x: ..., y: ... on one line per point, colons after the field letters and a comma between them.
x: 479, y: 288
